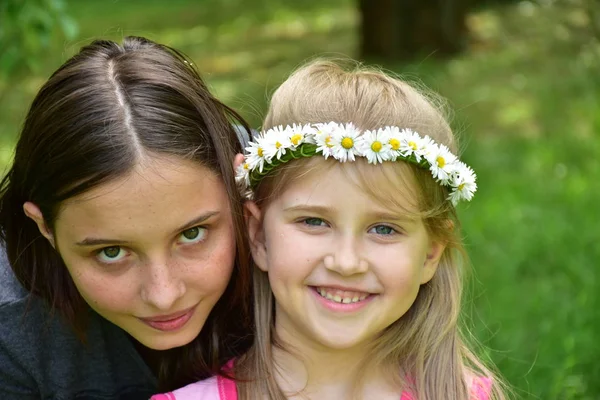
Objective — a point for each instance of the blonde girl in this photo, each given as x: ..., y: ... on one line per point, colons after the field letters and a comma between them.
x: 359, y: 263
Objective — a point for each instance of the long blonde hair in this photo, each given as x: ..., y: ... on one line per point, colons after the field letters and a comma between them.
x: 425, y: 344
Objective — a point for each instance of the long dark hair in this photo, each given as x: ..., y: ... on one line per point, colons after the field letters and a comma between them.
x: 86, y: 126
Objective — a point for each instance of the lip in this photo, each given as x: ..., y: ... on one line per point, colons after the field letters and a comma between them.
x: 170, y: 322
x: 342, y: 288
x: 340, y: 307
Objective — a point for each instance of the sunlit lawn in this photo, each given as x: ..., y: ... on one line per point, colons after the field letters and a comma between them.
x: 527, y: 104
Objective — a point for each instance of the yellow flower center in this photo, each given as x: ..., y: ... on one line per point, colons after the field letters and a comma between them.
x: 413, y: 145
x: 461, y: 186
x: 259, y: 152
x: 295, y: 139
x: 440, y: 161
x: 395, y: 143
x: 376, y: 146
x: 347, y: 143
x: 328, y: 141
x: 246, y: 166
x: 277, y: 145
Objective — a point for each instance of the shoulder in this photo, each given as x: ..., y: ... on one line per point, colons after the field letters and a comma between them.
x: 480, y: 387
x: 207, y: 389
x: 10, y: 288
x: 214, y: 388
x: 40, y: 354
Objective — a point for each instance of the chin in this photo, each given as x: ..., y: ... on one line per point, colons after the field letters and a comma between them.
x: 166, y: 340
x: 167, y: 344
x: 339, y: 342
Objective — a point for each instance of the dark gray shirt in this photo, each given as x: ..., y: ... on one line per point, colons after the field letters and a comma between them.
x: 40, y: 357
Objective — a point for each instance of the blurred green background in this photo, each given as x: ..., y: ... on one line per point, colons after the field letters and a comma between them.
x: 525, y: 87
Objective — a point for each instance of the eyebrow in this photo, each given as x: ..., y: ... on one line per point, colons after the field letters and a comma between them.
x: 393, y: 217
x: 91, y: 241
x: 327, y: 210
x: 308, y: 208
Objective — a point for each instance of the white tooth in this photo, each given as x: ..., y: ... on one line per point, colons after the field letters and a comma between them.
x: 337, y: 299
x: 361, y: 298
x: 321, y: 292
x: 354, y: 299
x: 329, y: 296
x: 346, y: 300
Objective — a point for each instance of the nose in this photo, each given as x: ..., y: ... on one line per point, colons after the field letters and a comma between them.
x: 162, y: 286
x: 346, y: 258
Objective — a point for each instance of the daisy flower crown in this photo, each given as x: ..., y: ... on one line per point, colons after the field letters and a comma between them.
x: 344, y: 142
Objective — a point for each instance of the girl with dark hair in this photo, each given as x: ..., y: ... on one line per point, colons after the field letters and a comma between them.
x: 126, y: 260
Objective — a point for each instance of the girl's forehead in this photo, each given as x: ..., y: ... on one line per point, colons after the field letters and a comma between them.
x: 151, y: 173
x: 390, y: 186
x: 157, y: 196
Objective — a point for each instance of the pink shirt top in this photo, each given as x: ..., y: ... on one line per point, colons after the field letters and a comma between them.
x: 220, y: 388
x: 215, y: 388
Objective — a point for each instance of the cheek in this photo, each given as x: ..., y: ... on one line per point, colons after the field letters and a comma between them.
x: 292, y: 255
x: 212, y: 274
x: 401, y: 268
x: 105, y: 292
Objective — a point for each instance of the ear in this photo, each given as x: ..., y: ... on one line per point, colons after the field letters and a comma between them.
x: 34, y: 212
x: 436, y: 249
x: 256, y: 235
x: 237, y: 161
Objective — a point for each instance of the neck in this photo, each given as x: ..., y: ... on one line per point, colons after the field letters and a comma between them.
x: 152, y: 358
x: 318, y: 371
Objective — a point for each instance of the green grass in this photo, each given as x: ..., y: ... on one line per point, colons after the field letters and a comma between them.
x: 527, y: 103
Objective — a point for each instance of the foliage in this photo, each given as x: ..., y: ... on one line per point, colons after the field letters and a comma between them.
x: 27, y: 28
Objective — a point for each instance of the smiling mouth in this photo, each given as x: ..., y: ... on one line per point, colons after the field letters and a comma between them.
x: 341, y: 296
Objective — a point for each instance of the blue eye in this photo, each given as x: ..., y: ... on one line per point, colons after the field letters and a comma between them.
x: 193, y: 235
x: 382, y: 230
x: 111, y: 255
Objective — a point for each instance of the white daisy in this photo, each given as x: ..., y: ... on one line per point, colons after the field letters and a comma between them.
x: 394, y: 136
x: 256, y: 155
x: 277, y: 141
x: 344, y: 142
x: 324, y: 138
x: 463, y: 183
x: 411, y: 143
x: 299, y: 134
x: 442, y: 162
x: 374, y: 146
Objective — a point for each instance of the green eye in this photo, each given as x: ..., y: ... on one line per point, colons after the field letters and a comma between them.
x: 111, y: 252
x: 193, y: 235
x: 111, y: 255
x: 314, y: 221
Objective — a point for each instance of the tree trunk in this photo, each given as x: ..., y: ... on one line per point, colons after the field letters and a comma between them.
x: 405, y: 29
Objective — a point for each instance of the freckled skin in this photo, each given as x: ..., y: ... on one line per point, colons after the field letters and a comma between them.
x: 158, y: 271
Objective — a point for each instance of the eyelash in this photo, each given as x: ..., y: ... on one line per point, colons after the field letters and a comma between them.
x: 394, y: 231
x: 202, y: 231
x: 100, y: 252
x: 304, y: 221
